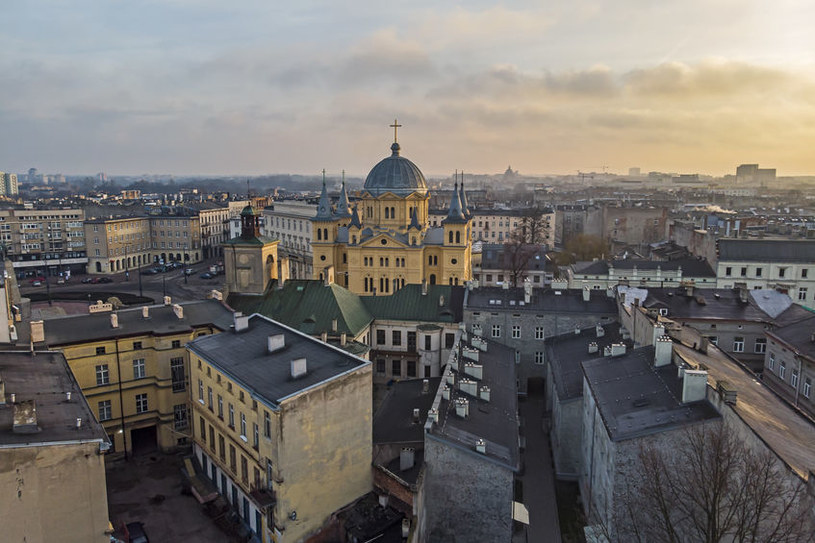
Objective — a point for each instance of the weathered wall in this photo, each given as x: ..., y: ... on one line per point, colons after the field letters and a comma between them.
x: 466, y: 498
x: 566, y: 434
x: 53, y: 493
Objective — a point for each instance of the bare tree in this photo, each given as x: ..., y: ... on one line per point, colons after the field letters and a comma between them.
x: 523, y: 244
x: 713, y: 488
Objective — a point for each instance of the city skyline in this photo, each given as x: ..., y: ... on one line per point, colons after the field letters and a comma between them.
x: 198, y: 88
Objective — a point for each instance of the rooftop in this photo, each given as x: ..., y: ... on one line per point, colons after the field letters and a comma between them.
x: 162, y: 320
x: 763, y: 250
x: 245, y: 357
x: 44, y: 378
x: 543, y: 300
x: 691, y: 267
x: 393, y: 421
x: 494, y: 420
x: 636, y: 399
x: 442, y: 303
x: 565, y: 352
x: 799, y: 335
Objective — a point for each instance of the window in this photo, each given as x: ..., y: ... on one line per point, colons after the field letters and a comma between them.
x: 782, y: 369
x: 203, y: 429
x: 771, y: 361
x: 141, y: 403
x: 728, y: 271
x: 267, y: 424
x: 380, y: 337
x: 105, y: 411
x: 794, y: 379
x: 428, y: 343
x: 136, y: 345
x: 396, y: 368
x: 802, y: 294
x: 233, y: 464
x: 231, y: 416
x: 782, y: 272
x: 180, y: 416
x: 539, y: 357
x: 102, y: 374
x: 397, y: 337
x: 738, y: 344
x: 176, y: 343
x: 100, y: 350
x: 209, y: 398
x: 496, y: 330
x: 761, y: 345
x: 411, y: 341
x: 539, y: 334
x: 380, y: 365
x: 138, y: 368
x: 759, y: 271
x: 243, y: 424
x: 178, y: 375
x: 744, y: 272
x: 713, y: 339
x: 255, y: 435
x: 222, y: 448
x: 200, y: 391
x: 804, y: 273
x: 807, y: 387
x: 220, y: 407
x: 516, y: 331
x: 449, y: 340
x: 411, y: 368
x: 244, y: 470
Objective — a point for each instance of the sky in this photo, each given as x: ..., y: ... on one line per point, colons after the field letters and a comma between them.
x: 254, y: 87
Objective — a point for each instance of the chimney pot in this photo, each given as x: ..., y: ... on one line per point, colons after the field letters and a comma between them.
x: 425, y: 386
x: 298, y: 368
x: 68, y: 396
x: 145, y: 312
x: 168, y: 300
x: 481, y: 446
x: 114, y: 320
x: 276, y: 342
x: 407, y: 458
x: 416, y: 414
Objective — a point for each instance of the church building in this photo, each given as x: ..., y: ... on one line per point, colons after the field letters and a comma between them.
x: 385, y: 241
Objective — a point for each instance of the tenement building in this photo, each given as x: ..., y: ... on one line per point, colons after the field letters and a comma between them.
x: 386, y: 241
x: 36, y: 240
x: 282, y: 425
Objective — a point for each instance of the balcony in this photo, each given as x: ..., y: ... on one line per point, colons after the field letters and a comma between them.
x: 264, y: 497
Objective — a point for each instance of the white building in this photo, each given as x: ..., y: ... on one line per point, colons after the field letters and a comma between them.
x: 290, y: 223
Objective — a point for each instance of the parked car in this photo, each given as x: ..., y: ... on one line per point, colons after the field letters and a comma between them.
x: 189, y: 271
x: 36, y: 284
x: 104, y: 280
x: 136, y: 532
x: 206, y: 275
x: 150, y: 271
x: 38, y: 279
x: 86, y: 280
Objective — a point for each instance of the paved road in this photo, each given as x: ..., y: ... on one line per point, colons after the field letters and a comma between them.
x: 539, y: 478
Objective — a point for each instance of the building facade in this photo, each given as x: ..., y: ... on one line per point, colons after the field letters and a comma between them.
x: 117, y: 245
x: 214, y: 223
x: 641, y: 273
x: 44, y: 240
x: 290, y: 222
x: 789, y: 364
x: 176, y: 238
x: 282, y: 425
x: 386, y: 241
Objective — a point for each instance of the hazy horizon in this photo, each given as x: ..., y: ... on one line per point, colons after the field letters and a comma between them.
x: 179, y: 86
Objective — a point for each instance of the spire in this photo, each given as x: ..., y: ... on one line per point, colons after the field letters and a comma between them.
x: 414, y: 219
x: 455, y: 214
x: 324, y: 206
x: 355, y: 218
x: 343, y: 208
x: 465, y: 205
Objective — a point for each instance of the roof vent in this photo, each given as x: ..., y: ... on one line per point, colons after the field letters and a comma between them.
x: 276, y: 343
x: 145, y: 312
x: 241, y: 322
x: 298, y: 368
x: 168, y: 300
x: 78, y: 423
x: 334, y: 325
x: 462, y: 407
x: 425, y: 386
x: 68, y: 396
x: 416, y: 415
x: 407, y: 458
x: 114, y: 320
x: 481, y: 446
x: 178, y: 310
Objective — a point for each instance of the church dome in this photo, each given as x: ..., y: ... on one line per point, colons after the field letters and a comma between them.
x: 395, y: 174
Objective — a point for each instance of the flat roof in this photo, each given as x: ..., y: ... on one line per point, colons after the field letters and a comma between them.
x: 636, y: 399
x: 565, y: 352
x: 73, y: 329
x: 495, y: 421
x: 787, y: 432
x: 393, y: 421
x: 542, y: 301
x: 45, y: 378
x: 244, y: 357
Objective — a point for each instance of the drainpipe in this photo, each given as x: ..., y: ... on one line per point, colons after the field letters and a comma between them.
x: 121, y: 399
x: 800, y: 378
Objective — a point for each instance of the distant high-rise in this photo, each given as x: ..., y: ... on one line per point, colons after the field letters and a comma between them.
x: 32, y: 175
x: 751, y: 174
x: 634, y: 172
x: 8, y: 184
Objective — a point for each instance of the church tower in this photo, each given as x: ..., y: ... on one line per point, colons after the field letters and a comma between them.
x: 384, y: 241
x: 250, y: 260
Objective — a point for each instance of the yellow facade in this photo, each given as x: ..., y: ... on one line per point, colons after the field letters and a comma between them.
x: 117, y: 245
x: 303, y: 459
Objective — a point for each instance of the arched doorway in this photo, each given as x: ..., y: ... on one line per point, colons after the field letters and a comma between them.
x: 432, y: 278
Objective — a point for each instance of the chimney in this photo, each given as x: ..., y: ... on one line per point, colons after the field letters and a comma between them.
x: 298, y: 368
x: 178, y: 310
x: 445, y: 392
x: 334, y: 325
x: 577, y: 330
x: 659, y: 331
x: 216, y: 295
x: 114, y: 320
x: 343, y: 339
x: 593, y: 347
x: 416, y: 415
x: 663, y: 351
x: 694, y: 385
x: 527, y: 292
x: 433, y: 415
x: 324, y: 337
x: 599, y: 330
x: 145, y: 312
x: 485, y: 393
x: 441, y: 301
x: 743, y: 294
x: 383, y: 501
x: 476, y: 371
x: 276, y: 342
x: 468, y: 387
x: 407, y: 458
x: 505, y: 285
x: 425, y: 386
x: 78, y: 423
x: 68, y: 396
x: 37, y: 331
x: 617, y: 349
x: 424, y: 287
x: 168, y: 300
x: 241, y: 322
x: 405, y: 528
x: 586, y: 294
x: 12, y: 398
x: 462, y: 407
x: 481, y: 446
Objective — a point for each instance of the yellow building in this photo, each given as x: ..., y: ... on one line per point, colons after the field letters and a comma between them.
x: 176, y: 237
x: 117, y: 244
x: 385, y: 241
x: 52, y: 470
x: 132, y: 366
x: 282, y: 425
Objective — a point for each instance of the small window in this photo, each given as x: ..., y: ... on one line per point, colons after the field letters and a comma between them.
x: 397, y: 338
x: 137, y: 345
x: 102, y: 374
x: 539, y: 333
x: 138, y: 368
x: 396, y: 368
x: 141, y: 403
x: 807, y: 387
x: 761, y: 345
x: 496, y: 330
x: 539, y: 357
x: 105, y: 410
x: 380, y: 365
x: 449, y: 340
x: 516, y: 331
x: 738, y: 344
x: 411, y: 368
x: 100, y: 350
x: 427, y: 343
x: 380, y: 337
x: 771, y: 361
x: 176, y: 343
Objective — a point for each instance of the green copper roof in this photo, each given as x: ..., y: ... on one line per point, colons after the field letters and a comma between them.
x: 409, y: 304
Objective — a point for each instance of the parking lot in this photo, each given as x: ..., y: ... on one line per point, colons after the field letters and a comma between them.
x: 148, y: 489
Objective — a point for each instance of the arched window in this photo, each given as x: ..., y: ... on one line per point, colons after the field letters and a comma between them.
x: 429, y: 260
x: 451, y: 237
x: 381, y: 262
x: 387, y: 213
x: 319, y: 235
x: 458, y: 237
x: 393, y: 213
x: 432, y: 278
x: 451, y: 281
x: 325, y: 234
x: 387, y: 262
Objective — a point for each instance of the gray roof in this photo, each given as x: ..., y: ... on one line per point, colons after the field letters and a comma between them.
x: 691, y: 267
x: 74, y: 329
x: 395, y: 174
x: 393, y: 421
x: 494, y: 256
x: 45, y: 378
x: 544, y: 301
x: 494, y: 421
x: 244, y: 357
x: 565, y: 352
x: 766, y: 250
x: 636, y: 399
x: 799, y: 336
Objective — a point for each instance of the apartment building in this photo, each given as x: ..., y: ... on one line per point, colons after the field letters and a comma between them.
x: 117, y: 244
x: 214, y: 220
x: 498, y: 225
x: 176, y: 237
x: 789, y: 364
x: 290, y: 222
x: 8, y: 184
x: 282, y: 425
x: 133, y: 367
x: 604, y: 274
x: 52, y: 465
x: 40, y: 240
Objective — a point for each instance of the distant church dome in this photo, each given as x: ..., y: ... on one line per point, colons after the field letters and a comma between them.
x: 395, y: 174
